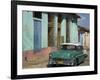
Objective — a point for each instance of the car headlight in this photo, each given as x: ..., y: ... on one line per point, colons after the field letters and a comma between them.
x: 72, y: 62
x: 51, y: 61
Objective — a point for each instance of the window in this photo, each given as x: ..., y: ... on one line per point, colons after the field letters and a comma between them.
x: 37, y: 15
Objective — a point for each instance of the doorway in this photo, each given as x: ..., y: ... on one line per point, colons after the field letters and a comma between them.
x: 37, y: 34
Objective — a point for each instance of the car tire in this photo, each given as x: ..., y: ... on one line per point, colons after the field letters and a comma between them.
x: 76, y: 62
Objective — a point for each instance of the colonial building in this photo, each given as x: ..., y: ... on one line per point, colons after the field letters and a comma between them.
x: 43, y: 29
x: 84, y: 37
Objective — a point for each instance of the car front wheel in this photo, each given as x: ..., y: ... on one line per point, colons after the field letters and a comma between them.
x: 75, y: 62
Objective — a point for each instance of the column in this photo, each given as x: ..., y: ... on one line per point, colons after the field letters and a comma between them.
x: 63, y: 28
x: 44, y: 34
x: 73, y: 30
x: 55, y: 29
x: 75, y: 25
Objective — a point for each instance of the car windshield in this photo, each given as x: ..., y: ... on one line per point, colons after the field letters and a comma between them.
x: 79, y: 47
x: 68, y: 47
x: 71, y: 47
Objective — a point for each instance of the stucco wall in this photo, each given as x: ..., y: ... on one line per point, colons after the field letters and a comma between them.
x: 27, y: 31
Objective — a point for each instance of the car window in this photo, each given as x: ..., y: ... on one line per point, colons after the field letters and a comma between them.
x: 68, y: 47
x: 71, y: 47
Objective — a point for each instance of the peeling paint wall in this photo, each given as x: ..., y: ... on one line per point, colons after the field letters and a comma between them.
x: 27, y: 30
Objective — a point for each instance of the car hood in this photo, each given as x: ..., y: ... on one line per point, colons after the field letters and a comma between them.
x: 65, y: 54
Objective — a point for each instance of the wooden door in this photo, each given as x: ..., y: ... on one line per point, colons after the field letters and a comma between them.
x: 37, y: 34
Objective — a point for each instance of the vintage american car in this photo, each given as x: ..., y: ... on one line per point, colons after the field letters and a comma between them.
x: 70, y: 54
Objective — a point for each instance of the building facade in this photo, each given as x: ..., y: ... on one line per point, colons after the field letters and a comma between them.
x: 44, y: 29
x: 84, y: 37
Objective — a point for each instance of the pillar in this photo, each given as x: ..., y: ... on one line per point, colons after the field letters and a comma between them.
x: 55, y: 29
x: 73, y: 30
x: 63, y: 28
x: 44, y: 42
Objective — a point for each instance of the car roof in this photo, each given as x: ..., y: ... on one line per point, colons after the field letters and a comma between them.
x: 75, y: 44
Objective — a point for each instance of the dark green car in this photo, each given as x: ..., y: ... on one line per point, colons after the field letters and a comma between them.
x: 69, y: 55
